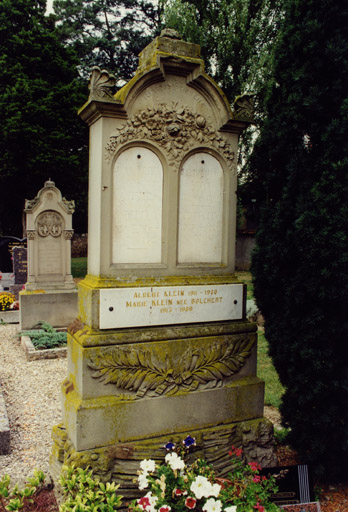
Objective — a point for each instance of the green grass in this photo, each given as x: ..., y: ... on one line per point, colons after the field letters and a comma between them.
x: 79, y: 267
x: 266, y: 371
x: 245, y: 277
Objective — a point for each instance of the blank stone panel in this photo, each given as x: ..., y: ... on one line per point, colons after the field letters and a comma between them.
x: 137, y: 207
x: 201, y: 210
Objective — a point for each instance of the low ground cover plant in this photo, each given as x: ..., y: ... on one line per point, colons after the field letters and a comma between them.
x: 46, y: 337
x: 83, y: 493
x: 13, y: 498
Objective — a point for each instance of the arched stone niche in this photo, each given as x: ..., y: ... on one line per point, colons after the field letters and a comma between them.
x: 137, y: 207
x: 200, y: 210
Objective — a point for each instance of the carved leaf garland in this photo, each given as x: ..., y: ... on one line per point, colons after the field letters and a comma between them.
x: 174, y: 128
x: 137, y: 372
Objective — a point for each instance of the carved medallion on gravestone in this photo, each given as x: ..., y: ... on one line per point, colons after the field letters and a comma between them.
x: 50, y: 223
x: 50, y: 226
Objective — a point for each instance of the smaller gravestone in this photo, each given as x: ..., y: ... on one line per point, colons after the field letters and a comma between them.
x: 50, y: 293
x: 7, y: 244
x: 20, y: 266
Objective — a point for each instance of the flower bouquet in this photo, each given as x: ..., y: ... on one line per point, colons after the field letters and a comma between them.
x: 179, y: 487
x: 6, y: 301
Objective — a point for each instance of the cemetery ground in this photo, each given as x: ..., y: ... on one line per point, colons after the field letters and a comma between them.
x: 31, y: 391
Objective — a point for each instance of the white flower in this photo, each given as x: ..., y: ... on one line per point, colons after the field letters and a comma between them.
x: 201, y: 487
x: 148, y: 466
x: 215, y: 490
x: 212, y: 505
x: 232, y: 508
x: 152, y: 500
x: 174, y: 461
x: 142, y: 481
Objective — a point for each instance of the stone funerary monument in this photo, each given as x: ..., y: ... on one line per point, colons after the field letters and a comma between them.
x: 161, y: 347
x: 50, y: 293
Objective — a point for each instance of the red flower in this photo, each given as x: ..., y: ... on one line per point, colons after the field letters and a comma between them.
x: 179, y: 492
x: 255, y: 466
x: 259, y: 507
x: 144, y: 502
x: 236, y: 451
x: 257, y: 479
x: 190, y: 503
x: 165, y: 508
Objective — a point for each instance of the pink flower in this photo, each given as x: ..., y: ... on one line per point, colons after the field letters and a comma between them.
x: 257, y: 479
x: 255, y: 466
x: 190, y: 502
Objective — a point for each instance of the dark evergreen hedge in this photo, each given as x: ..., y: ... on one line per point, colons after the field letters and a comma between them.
x: 300, y: 266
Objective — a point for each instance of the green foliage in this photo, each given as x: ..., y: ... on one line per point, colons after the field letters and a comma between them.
x: 79, y: 267
x: 300, y: 266
x: 107, y: 33
x: 41, y: 134
x: 15, y: 498
x: 236, y: 40
x: 281, y: 435
x: 46, y: 337
x: 83, y: 493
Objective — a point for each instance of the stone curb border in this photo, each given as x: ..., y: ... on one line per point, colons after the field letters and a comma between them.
x: 34, y: 355
x: 9, y: 317
x: 4, y: 428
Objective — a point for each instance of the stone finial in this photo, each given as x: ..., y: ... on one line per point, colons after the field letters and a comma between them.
x: 101, y: 84
x: 49, y: 183
x: 170, y: 32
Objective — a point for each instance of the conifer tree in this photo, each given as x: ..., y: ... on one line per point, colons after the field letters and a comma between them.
x: 41, y: 135
x: 300, y: 266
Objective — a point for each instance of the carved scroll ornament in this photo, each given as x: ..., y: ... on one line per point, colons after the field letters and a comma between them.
x: 244, y: 107
x: 137, y: 372
x: 49, y: 223
x: 176, y: 130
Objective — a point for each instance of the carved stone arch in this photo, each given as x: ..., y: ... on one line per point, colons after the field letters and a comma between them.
x: 175, y: 129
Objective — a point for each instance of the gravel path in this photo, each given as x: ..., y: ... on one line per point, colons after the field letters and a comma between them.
x: 31, y: 390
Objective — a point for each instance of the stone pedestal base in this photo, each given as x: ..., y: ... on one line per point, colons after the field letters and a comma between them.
x: 58, y: 308
x: 120, y: 462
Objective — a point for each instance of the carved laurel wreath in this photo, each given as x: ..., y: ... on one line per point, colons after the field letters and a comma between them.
x: 137, y: 372
x: 175, y: 129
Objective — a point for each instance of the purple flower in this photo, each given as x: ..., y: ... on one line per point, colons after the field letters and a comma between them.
x: 189, y: 441
x: 169, y: 446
